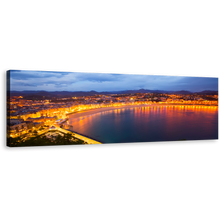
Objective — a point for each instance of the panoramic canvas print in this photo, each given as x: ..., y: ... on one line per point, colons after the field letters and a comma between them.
x: 73, y: 108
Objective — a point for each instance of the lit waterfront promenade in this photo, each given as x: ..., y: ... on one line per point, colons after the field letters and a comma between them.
x: 89, y: 112
x: 81, y: 137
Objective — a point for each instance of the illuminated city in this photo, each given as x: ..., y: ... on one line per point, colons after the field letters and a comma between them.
x: 30, y: 117
x: 47, y: 115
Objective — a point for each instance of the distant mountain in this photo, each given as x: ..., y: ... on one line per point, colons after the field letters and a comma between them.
x: 68, y: 94
x: 155, y: 91
x: 183, y: 92
x: 208, y: 92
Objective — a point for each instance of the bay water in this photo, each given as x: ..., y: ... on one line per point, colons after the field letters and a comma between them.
x: 149, y: 123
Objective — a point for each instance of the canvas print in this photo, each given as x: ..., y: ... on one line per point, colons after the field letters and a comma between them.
x: 73, y: 108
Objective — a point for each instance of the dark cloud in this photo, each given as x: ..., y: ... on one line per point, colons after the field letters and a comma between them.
x: 24, y: 75
x: 28, y: 84
x: 61, y: 84
x: 51, y: 81
x: 97, y: 77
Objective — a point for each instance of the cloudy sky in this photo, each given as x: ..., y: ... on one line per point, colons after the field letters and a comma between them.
x: 74, y: 81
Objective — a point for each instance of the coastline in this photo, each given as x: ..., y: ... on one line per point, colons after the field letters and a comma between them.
x: 98, y: 110
x: 90, y: 112
x: 86, y: 136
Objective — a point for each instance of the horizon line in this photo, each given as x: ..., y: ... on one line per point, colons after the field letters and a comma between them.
x: 111, y: 91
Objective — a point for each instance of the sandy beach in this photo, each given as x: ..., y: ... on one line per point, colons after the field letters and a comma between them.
x: 98, y: 110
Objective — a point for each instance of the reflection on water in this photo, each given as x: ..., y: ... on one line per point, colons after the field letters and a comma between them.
x: 150, y: 123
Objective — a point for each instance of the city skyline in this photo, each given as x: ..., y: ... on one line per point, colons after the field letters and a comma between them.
x: 24, y: 80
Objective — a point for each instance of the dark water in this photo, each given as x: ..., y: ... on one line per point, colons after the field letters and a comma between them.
x: 154, y: 123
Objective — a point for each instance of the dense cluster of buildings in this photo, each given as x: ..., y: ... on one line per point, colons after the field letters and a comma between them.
x: 28, y: 117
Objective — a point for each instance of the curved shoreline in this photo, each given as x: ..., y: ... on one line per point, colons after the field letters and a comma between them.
x: 98, y: 110
x: 85, y: 136
x: 91, y: 112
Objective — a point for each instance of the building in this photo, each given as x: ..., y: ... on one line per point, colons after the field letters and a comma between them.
x: 30, y: 124
x: 49, y: 120
x: 18, y: 127
x: 38, y: 124
x: 11, y: 122
x: 39, y: 119
x: 53, y: 128
x: 67, y: 127
x: 43, y: 119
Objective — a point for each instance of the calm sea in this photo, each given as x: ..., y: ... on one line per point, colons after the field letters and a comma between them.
x: 153, y: 123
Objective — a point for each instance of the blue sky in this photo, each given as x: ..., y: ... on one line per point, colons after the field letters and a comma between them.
x: 74, y: 81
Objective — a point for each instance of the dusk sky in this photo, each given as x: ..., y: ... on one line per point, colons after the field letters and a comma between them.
x: 73, y: 81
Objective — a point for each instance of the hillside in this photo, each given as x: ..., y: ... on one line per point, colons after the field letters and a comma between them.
x: 68, y: 94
